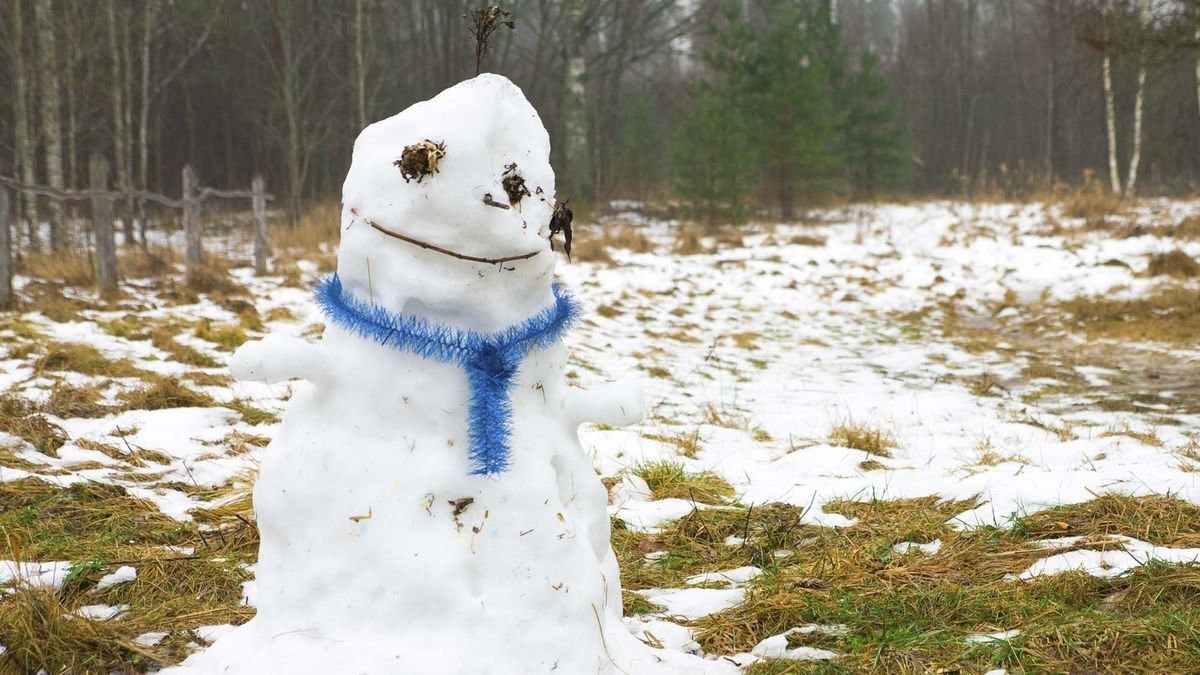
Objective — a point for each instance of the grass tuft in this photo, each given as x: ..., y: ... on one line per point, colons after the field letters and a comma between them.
x: 870, y: 440
x: 86, y: 359
x: 165, y: 393
x: 670, y: 479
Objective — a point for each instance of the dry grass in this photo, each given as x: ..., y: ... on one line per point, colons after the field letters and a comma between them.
x: 227, y: 337
x: 1170, y: 315
x: 71, y: 269
x: 911, y: 613
x: 163, y: 338
x: 1092, y: 202
x: 163, y: 393
x: 100, y: 528
x: 870, y: 440
x: 86, y: 359
x: 671, y: 480
x: 688, y: 242
x: 1174, y: 263
x: 69, y: 401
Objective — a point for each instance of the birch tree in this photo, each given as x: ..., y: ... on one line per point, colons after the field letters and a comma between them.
x: 1110, y: 106
x: 47, y: 62
x: 1139, y: 103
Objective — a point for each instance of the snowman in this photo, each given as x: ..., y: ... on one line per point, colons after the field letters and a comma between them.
x: 426, y: 506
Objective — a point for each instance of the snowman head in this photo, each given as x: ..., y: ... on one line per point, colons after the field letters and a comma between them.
x: 446, y: 208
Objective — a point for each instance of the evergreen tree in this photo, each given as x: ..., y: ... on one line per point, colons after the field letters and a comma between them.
x: 874, y: 146
x: 780, y: 73
x: 712, y: 157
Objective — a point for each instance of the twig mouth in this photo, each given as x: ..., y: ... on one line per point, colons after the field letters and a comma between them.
x: 445, y: 251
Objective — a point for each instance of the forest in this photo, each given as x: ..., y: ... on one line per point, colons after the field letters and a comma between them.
x: 726, y: 105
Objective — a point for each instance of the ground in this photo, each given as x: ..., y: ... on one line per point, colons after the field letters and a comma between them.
x: 897, y: 438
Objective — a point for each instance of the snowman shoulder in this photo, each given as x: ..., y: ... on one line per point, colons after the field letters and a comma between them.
x: 277, y: 358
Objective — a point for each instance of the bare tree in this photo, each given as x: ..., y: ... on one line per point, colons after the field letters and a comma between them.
x: 1110, y: 106
x: 25, y: 151
x: 1139, y: 103
x: 47, y: 58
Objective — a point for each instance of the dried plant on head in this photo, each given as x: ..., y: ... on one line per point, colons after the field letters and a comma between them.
x: 420, y: 159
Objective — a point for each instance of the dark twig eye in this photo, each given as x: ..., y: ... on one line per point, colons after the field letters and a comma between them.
x: 420, y: 159
x: 514, y: 185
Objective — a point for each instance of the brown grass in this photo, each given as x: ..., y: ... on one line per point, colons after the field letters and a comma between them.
x: 71, y: 269
x: 668, y: 479
x: 165, y: 393
x: 870, y: 440
x: 1174, y: 263
x: 86, y: 359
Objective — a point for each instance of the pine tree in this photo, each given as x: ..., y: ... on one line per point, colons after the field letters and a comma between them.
x: 712, y: 157
x: 781, y: 76
x: 874, y: 146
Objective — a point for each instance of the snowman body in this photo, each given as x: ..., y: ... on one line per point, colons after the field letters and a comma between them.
x: 384, y: 548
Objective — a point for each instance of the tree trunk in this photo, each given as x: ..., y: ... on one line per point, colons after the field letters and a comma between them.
x: 26, y: 154
x: 1139, y: 103
x: 1110, y: 106
x: 6, y: 289
x: 149, y: 21
x: 1051, y: 94
x: 259, y: 204
x: 575, y: 157
x: 71, y: 55
x: 47, y: 59
x: 102, y: 227
x: 118, y: 111
x: 194, y: 246
x: 360, y: 74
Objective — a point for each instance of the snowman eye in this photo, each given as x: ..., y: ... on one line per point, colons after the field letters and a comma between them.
x: 420, y: 159
x: 514, y: 184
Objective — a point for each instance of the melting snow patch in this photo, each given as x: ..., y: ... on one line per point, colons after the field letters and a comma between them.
x: 734, y: 577
x: 693, y: 603
x: 1133, y: 553
x: 776, y: 646
x: 663, y: 634
x: 101, y: 612
x: 150, y: 639
x: 908, y: 546
x: 124, y: 573
x: 38, y: 574
x: 984, y: 638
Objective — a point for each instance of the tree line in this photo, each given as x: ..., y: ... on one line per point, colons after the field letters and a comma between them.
x: 726, y: 105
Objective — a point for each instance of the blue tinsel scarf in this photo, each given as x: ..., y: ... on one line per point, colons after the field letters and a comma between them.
x: 490, y: 360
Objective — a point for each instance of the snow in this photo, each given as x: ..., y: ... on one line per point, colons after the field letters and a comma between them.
x: 693, y: 603
x: 985, y: 638
x: 776, y: 646
x: 119, y: 576
x: 735, y: 577
x: 101, y: 612
x: 1110, y: 563
x: 34, y: 574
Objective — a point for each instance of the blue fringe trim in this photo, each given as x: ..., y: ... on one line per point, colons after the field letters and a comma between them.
x: 491, y: 361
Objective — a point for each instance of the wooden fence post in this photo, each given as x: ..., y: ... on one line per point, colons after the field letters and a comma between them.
x: 102, y: 227
x: 259, y: 202
x: 194, y: 250
x: 6, y: 289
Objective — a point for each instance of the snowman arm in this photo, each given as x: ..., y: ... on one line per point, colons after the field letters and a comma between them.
x: 616, y: 404
x: 276, y: 358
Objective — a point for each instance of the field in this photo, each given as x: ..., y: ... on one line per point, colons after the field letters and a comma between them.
x: 928, y: 437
